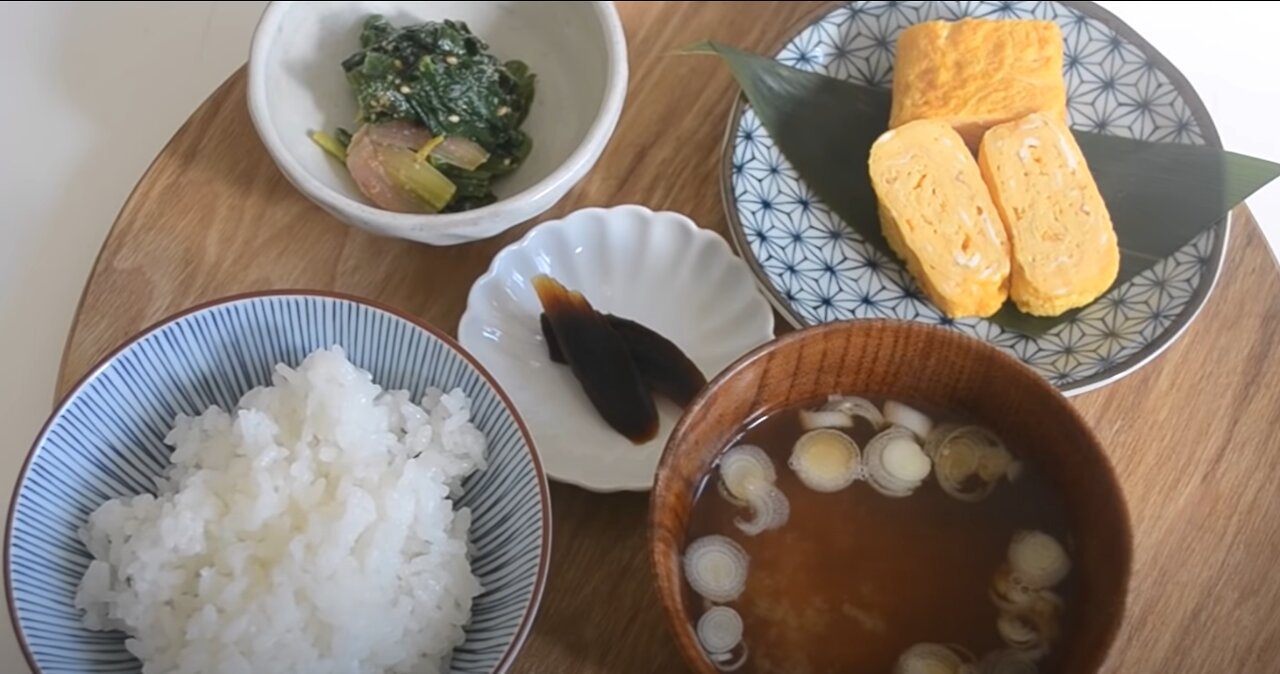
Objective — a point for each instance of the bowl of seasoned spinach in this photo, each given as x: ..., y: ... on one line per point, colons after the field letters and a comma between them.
x: 438, y: 122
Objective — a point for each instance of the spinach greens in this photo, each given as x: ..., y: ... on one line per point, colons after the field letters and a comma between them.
x: 439, y: 75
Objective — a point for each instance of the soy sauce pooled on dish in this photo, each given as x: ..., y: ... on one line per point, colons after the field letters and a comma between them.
x: 894, y: 539
x: 619, y: 362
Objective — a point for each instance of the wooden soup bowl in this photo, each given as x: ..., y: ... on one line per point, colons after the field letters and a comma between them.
x: 907, y: 361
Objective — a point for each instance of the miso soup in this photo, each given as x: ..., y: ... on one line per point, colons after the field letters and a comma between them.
x: 868, y: 536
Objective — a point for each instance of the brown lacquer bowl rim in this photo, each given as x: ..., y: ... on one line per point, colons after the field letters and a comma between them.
x: 664, y: 544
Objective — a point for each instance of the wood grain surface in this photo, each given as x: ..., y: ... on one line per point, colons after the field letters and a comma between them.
x: 1193, y: 435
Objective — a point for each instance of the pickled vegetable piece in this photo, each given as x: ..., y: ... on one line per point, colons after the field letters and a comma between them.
x: 599, y: 359
x: 661, y: 364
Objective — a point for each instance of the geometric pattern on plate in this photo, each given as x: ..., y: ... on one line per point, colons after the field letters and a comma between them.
x: 819, y: 270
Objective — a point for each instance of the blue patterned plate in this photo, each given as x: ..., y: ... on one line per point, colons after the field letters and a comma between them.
x: 815, y: 269
x: 106, y: 440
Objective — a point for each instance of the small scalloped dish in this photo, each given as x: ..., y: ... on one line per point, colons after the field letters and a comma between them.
x: 659, y: 269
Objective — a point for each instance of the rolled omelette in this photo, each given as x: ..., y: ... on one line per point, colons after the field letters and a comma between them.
x: 976, y: 73
x: 1064, y: 248
x: 938, y: 216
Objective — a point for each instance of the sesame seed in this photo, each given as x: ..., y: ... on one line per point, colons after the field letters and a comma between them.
x: 451, y: 60
x: 503, y: 111
x: 404, y: 88
x: 454, y: 119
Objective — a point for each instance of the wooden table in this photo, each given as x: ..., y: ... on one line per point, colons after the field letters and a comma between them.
x: 1195, y: 436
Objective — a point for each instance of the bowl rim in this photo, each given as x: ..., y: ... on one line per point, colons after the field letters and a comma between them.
x: 100, y: 366
x: 672, y: 606
x: 570, y: 171
x: 572, y: 223
x: 1213, y: 267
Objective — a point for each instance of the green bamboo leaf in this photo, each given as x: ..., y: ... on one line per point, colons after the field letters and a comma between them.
x: 824, y: 126
x: 1160, y: 195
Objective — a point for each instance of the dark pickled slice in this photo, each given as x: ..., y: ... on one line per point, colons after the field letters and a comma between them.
x: 553, y: 344
x: 661, y: 364
x: 600, y: 360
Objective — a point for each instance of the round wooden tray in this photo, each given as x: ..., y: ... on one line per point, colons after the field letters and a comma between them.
x: 1193, y: 436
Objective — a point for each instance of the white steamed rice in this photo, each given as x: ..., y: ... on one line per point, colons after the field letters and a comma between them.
x: 311, y: 531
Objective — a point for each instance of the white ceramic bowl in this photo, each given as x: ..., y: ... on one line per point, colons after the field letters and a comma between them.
x: 577, y: 50
x: 656, y: 268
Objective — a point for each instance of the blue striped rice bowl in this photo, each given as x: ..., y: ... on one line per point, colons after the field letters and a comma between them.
x: 106, y: 440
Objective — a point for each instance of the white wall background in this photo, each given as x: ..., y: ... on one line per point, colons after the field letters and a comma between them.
x: 93, y: 91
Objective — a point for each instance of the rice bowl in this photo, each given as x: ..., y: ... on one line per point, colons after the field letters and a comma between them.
x: 309, y: 530
x: 206, y: 526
